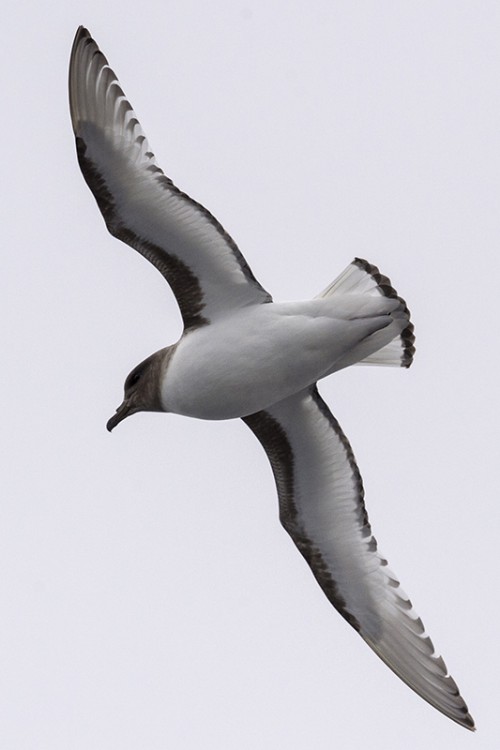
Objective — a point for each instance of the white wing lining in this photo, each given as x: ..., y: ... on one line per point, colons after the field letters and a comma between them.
x: 141, y: 206
x: 322, y: 508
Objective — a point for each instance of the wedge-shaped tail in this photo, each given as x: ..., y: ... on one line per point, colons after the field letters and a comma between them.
x: 361, y: 277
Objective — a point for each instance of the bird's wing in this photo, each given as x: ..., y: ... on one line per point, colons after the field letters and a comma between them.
x: 141, y: 205
x: 322, y: 508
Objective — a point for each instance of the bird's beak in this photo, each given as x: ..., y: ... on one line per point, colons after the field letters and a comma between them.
x: 124, y: 410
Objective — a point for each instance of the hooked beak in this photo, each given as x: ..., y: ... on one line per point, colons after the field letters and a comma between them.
x: 124, y: 410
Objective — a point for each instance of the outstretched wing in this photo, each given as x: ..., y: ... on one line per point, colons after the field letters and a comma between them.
x: 322, y: 508
x: 141, y: 206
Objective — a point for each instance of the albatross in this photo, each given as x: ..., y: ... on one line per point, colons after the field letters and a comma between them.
x: 242, y: 355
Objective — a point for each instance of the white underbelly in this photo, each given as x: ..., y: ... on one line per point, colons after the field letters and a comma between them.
x: 259, y: 356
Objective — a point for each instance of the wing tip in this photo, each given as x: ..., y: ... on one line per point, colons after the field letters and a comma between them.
x: 468, y: 723
x: 450, y: 702
x: 79, y: 62
x: 81, y: 36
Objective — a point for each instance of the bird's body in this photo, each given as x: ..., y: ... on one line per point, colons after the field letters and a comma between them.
x: 261, y: 354
x: 243, y: 355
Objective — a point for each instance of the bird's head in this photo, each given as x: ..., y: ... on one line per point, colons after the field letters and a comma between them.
x: 142, y: 388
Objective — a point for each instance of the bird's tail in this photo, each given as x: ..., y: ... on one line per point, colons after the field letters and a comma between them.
x: 361, y: 277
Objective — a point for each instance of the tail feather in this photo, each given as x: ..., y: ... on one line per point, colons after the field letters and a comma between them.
x: 361, y: 277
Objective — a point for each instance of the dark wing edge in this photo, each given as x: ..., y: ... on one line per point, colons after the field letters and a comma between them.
x: 141, y: 206
x: 321, y: 502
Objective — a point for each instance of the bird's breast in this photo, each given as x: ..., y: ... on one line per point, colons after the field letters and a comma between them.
x: 235, y: 367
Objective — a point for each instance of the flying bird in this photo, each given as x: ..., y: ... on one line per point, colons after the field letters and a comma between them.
x: 241, y: 355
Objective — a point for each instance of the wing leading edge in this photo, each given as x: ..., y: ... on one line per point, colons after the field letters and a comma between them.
x: 321, y: 500
x: 141, y: 205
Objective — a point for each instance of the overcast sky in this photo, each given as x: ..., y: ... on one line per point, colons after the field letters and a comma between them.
x: 148, y: 595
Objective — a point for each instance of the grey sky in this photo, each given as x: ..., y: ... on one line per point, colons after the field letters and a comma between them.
x: 149, y: 597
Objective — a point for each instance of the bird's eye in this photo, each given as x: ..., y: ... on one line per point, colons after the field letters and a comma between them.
x: 132, y: 380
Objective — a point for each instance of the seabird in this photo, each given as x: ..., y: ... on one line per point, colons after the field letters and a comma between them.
x: 243, y: 355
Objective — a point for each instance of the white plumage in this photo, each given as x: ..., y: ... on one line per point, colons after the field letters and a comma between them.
x: 242, y: 355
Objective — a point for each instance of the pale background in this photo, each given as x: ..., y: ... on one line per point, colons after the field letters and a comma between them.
x: 148, y: 596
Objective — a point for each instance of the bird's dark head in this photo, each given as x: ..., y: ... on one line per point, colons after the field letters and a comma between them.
x: 142, y: 388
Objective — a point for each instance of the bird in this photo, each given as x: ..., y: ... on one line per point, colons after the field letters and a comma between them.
x: 242, y: 355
